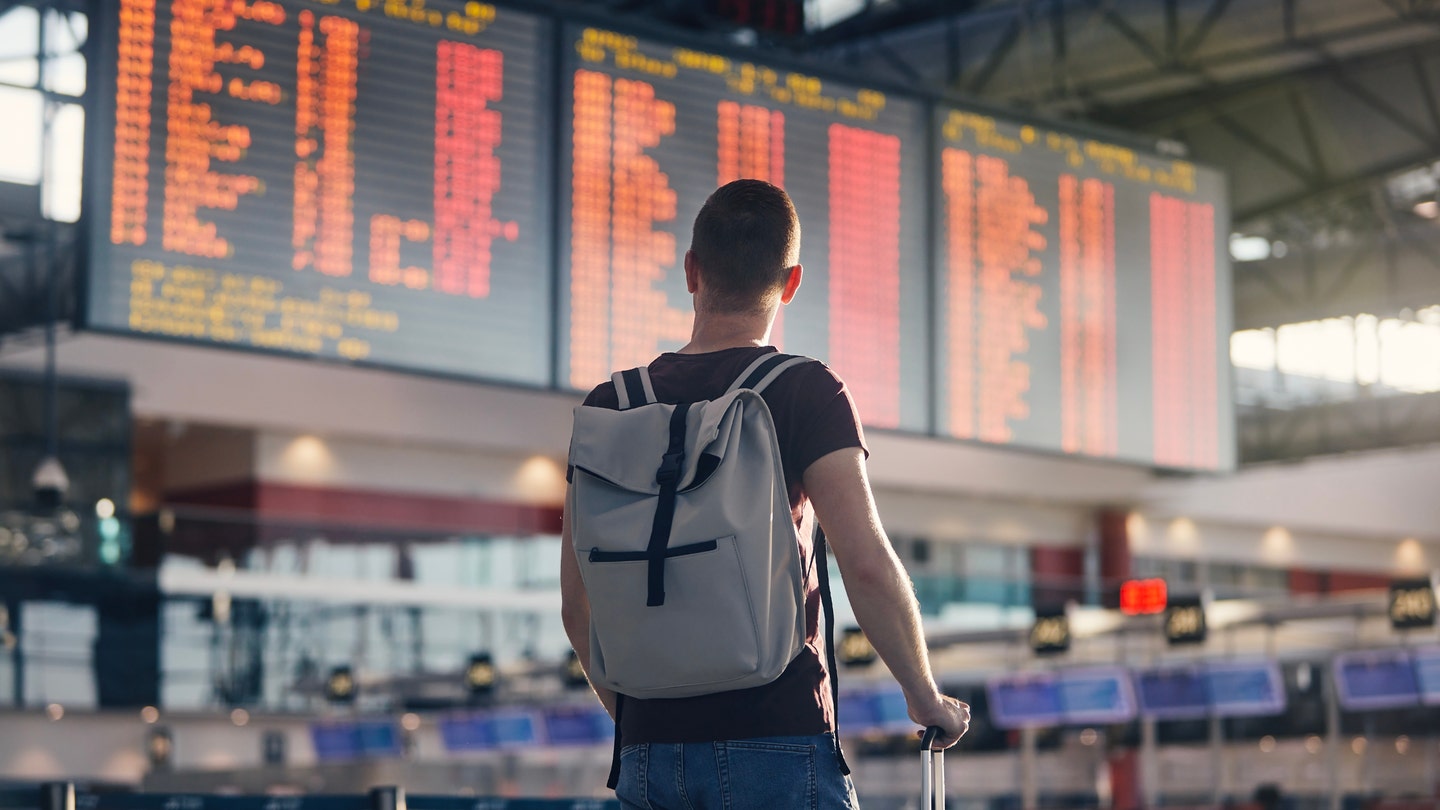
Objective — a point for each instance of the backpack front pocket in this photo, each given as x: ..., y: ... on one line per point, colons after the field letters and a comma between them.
x: 703, y: 636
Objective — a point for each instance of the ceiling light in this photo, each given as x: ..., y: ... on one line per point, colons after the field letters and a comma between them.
x: 1249, y: 248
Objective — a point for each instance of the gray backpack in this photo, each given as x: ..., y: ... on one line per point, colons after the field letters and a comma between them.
x: 681, y: 521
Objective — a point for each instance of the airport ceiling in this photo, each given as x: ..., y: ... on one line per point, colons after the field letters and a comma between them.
x: 1325, y: 114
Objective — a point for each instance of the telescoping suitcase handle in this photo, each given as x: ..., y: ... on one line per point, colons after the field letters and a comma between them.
x: 932, y: 771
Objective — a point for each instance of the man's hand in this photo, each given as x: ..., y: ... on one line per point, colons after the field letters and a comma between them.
x: 952, y: 716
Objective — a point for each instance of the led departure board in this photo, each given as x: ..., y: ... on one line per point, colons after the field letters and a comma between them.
x: 651, y: 129
x: 345, y: 179
x: 1083, y: 296
x: 497, y: 194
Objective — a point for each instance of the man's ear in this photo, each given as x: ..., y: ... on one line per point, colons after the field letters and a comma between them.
x: 792, y: 284
x: 692, y: 273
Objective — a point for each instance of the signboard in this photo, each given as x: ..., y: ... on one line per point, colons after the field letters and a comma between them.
x: 1142, y: 597
x: 377, y: 183
x: 1084, y: 295
x: 1185, y: 620
x: 1412, y: 604
x: 1051, y: 632
x: 327, y: 180
x: 855, y: 649
x: 651, y: 129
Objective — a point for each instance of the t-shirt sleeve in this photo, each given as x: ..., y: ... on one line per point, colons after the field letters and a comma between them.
x: 823, y: 418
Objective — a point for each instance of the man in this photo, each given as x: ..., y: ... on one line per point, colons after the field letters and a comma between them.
x: 770, y: 746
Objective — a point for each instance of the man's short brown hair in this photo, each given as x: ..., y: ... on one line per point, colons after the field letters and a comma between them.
x: 746, y: 239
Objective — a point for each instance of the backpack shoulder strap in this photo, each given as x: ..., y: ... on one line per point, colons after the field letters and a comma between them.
x: 827, y: 604
x: 759, y: 374
x: 633, y: 387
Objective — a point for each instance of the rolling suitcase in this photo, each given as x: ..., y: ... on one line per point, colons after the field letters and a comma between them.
x: 932, y: 772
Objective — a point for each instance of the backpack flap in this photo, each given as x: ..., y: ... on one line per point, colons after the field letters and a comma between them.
x: 624, y: 448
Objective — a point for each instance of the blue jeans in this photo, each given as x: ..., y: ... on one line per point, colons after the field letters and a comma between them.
x: 765, y: 773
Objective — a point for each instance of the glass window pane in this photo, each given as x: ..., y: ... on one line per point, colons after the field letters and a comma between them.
x: 64, y: 37
x: 60, y: 196
x: 19, y: 37
x: 23, y: 113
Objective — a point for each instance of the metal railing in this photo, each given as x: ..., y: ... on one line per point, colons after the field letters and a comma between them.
x: 65, y: 796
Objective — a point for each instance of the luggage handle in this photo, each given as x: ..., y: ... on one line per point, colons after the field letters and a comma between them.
x: 932, y: 771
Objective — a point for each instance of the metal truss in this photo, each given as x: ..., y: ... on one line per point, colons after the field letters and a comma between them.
x: 1337, y: 427
x: 1217, y: 75
x: 37, y: 282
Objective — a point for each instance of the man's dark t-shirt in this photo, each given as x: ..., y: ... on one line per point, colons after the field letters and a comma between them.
x: 814, y: 416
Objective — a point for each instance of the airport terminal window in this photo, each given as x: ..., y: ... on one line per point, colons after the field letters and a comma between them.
x: 32, y: 130
x: 274, y: 653
x: 1230, y: 580
x: 1174, y: 572
x: 1238, y: 580
x: 1335, y: 358
x: 972, y: 573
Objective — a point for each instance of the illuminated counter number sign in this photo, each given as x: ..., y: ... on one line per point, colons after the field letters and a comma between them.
x: 1185, y: 621
x: 1050, y: 634
x: 1142, y: 597
x: 855, y: 649
x: 1412, y: 604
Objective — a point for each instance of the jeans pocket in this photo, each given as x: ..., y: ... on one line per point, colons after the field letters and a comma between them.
x: 631, y: 789
x: 765, y: 775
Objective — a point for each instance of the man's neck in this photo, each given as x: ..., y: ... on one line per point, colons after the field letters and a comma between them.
x: 714, y: 331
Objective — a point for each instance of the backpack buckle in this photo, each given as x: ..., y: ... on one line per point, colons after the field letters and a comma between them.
x: 669, y: 471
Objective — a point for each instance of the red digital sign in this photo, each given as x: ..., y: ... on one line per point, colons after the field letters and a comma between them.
x: 335, y: 180
x: 1080, y: 286
x: 654, y: 129
x: 1143, y: 597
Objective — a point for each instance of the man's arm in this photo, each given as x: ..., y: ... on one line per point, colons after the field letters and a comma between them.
x: 575, y: 611
x: 878, y: 587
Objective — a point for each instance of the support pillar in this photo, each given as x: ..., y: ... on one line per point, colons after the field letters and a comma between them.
x: 1112, y: 526
x: 1029, y: 769
x: 1124, y: 767
x: 1149, y: 763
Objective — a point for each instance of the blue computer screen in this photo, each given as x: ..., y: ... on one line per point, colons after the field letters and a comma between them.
x: 1427, y: 674
x: 578, y: 726
x: 1096, y: 696
x: 1245, y: 689
x: 1376, y: 680
x: 1022, y: 702
x: 1173, y: 694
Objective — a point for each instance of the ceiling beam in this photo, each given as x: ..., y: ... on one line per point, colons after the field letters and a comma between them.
x: 1334, y: 187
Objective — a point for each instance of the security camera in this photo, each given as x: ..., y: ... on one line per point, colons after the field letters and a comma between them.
x: 50, y: 484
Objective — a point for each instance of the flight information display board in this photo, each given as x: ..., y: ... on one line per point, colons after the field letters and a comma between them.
x: 1083, y: 296
x: 352, y: 180
x: 650, y: 129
